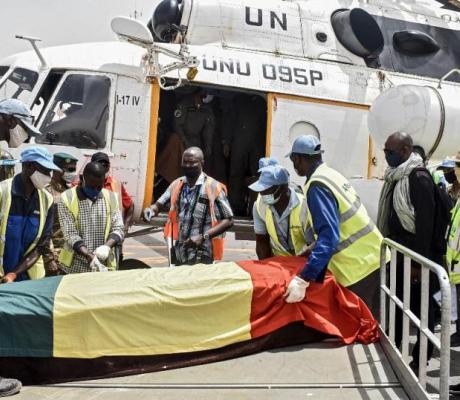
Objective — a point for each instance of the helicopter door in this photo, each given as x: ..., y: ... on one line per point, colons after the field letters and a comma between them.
x: 80, y: 112
x: 341, y: 127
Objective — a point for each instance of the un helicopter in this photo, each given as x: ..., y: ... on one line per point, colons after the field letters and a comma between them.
x: 350, y: 72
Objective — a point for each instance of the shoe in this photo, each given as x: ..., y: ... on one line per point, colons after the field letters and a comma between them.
x: 9, y: 387
x: 454, y: 389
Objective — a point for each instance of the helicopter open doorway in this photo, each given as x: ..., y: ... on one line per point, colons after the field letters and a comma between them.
x: 229, y: 126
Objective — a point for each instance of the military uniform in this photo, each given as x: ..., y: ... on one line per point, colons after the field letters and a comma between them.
x: 195, y: 124
x: 245, y: 131
x: 57, y: 240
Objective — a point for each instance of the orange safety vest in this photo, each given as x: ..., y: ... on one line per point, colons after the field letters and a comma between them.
x: 115, y: 187
x: 212, y: 189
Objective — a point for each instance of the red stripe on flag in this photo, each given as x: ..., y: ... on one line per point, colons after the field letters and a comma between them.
x: 328, y: 307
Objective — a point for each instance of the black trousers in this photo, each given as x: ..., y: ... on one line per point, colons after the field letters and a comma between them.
x: 416, y: 293
x: 368, y: 290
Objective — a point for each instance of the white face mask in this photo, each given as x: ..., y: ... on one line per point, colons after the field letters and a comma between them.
x: 270, y: 199
x: 208, y: 98
x: 18, y: 136
x: 40, y: 180
x: 69, y: 177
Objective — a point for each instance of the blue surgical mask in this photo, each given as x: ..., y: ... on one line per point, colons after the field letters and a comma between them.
x: 393, y: 158
x: 91, y: 193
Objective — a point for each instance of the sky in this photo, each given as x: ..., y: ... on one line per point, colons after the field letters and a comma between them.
x: 59, y: 22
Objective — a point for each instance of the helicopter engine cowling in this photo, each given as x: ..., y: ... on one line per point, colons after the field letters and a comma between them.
x: 431, y: 116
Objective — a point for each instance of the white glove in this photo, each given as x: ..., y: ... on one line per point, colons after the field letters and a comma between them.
x: 102, y: 252
x: 296, y: 290
x: 97, y: 266
x: 148, y: 214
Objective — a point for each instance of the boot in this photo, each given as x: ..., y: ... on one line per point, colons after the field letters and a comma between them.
x: 9, y: 387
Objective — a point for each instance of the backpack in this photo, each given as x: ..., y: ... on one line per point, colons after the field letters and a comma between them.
x: 442, y: 215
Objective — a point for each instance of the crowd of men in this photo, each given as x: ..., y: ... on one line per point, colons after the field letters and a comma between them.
x: 56, y: 221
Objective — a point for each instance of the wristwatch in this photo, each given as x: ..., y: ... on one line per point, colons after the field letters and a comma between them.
x: 206, y: 236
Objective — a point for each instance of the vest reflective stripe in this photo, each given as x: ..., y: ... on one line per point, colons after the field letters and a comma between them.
x: 37, y: 271
x: 453, y: 246
x: 70, y: 200
x: 297, y: 226
x: 115, y: 187
x: 358, y: 252
x: 211, y: 190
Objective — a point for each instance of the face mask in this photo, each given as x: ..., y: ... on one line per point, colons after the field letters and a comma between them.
x: 450, y: 176
x: 208, y: 98
x: 39, y: 180
x: 69, y: 177
x: 393, y: 158
x: 18, y: 135
x: 191, y: 172
x: 91, y: 193
x: 270, y: 199
x: 107, y: 174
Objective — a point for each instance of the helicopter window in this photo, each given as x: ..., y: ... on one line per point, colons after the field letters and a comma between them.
x: 79, y: 114
x: 45, y: 93
x: 19, y: 84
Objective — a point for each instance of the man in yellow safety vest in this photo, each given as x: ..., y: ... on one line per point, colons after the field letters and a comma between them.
x: 280, y: 216
x: 27, y: 217
x: 91, y: 223
x: 347, y: 241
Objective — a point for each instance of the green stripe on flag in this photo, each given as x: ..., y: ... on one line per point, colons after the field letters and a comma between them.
x: 26, y: 318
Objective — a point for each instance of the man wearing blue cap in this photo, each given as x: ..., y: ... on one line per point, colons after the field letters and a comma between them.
x: 347, y: 241
x: 27, y: 217
x: 448, y: 176
x: 16, y: 122
x: 280, y: 216
x: 267, y: 162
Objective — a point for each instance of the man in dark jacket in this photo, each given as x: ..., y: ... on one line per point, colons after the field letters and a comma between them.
x: 406, y: 215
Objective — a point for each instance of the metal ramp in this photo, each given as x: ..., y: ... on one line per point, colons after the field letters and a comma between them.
x: 325, y: 370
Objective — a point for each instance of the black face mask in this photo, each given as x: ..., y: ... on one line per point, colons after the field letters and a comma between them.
x: 191, y: 172
x: 450, y: 176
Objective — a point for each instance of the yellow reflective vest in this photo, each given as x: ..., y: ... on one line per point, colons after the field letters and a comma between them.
x: 453, y: 246
x: 298, y: 226
x: 37, y: 271
x: 70, y: 199
x: 358, y: 253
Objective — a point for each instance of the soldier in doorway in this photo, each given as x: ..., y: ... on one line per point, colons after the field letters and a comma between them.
x: 244, y: 144
x: 195, y: 122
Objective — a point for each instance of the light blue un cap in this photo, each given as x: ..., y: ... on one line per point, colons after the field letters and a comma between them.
x: 448, y: 163
x: 19, y: 110
x: 273, y: 175
x: 306, y: 144
x: 39, y: 155
x: 267, y: 161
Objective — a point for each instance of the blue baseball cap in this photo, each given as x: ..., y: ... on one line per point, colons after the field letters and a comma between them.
x: 19, y: 110
x: 447, y: 163
x: 267, y: 161
x: 273, y: 175
x: 306, y: 144
x: 39, y: 155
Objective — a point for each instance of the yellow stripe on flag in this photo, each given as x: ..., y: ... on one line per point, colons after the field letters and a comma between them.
x: 151, y: 312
